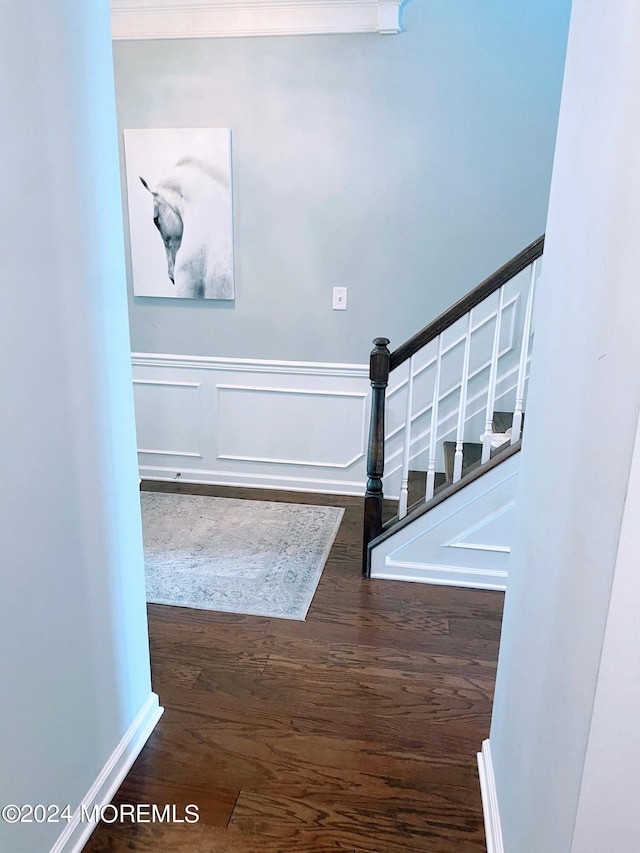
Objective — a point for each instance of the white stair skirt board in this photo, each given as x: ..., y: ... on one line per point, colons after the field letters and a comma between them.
x: 492, y: 827
x: 463, y: 541
x: 77, y: 831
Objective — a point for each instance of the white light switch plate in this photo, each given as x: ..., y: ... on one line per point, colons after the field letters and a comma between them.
x: 339, y: 298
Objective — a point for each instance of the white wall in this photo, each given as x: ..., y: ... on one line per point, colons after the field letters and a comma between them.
x: 581, y: 424
x: 74, y: 665
x: 405, y: 167
x: 607, y: 816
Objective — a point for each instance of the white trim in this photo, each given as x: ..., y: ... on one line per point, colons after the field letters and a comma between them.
x: 171, y: 453
x: 269, y: 389
x: 250, y: 365
x: 161, y: 19
x: 492, y: 826
x: 76, y: 833
x: 497, y: 549
x: 305, y: 463
x: 167, y: 382
x: 407, y: 564
x: 442, y: 575
x: 285, y: 483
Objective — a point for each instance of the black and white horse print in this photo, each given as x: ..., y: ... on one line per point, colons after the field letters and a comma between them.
x: 192, y: 212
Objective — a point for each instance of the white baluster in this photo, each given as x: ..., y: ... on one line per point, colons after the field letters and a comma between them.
x: 493, y: 379
x: 406, y: 448
x: 516, y: 428
x: 457, y: 462
x: 433, y: 433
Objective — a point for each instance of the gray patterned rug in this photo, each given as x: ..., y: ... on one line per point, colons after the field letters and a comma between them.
x: 256, y: 557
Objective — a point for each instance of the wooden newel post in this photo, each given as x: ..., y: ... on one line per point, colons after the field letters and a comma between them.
x: 379, y: 375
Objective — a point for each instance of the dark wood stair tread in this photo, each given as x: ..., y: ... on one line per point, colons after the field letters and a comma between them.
x: 418, y: 485
x: 471, y: 456
x: 502, y: 421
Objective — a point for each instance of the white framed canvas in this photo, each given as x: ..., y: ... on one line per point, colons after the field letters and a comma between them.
x: 180, y: 212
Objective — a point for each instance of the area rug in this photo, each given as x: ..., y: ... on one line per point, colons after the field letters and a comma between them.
x: 257, y: 557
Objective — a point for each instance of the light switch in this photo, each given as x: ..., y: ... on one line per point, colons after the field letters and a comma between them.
x: 339, y: 298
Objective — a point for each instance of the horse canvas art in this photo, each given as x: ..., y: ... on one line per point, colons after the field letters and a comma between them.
x: 180, y: 213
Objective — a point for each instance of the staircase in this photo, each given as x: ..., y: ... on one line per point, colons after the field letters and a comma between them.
x: 447, y: 417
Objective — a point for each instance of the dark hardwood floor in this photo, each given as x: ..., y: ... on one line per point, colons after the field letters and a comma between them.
x: 356, y: 730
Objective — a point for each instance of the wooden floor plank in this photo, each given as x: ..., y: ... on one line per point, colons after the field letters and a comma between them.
x: 268, y: 756
x: 353, y: 827
x: 355, y: 730
x: 215, y: 805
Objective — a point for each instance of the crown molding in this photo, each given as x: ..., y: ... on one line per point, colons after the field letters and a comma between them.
x: 162, y: 19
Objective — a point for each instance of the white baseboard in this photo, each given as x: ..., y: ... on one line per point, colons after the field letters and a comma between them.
x: 492, y: 827
x: 75, y: 835
x: 254, y: 481
x: 440, y: 576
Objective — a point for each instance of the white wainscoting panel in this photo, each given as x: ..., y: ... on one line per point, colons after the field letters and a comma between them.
x: 312, y: 443
x: 168, y: 417
x: 249, y: 422
x: 463, y: 541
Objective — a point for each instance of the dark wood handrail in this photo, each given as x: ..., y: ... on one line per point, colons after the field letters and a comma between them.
x: 463, y: 306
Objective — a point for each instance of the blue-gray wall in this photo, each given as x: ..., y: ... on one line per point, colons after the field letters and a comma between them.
x: 405, y: 167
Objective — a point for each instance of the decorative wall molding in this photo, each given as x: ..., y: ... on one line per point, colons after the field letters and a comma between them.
x: 256, y: 423
x: 492, y: 826
x: 164, y: 452
x: 170, y: 416
x: 162, y: 19
x: 321, y: 401
x: 251, y: 365
x: 76, y: 832
x: 463, y: 541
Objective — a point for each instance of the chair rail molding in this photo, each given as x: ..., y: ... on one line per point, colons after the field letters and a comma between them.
x: 162, y: 19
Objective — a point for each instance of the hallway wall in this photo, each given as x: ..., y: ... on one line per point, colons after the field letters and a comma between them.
x: 74, y: 661
x: 564, y: 751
